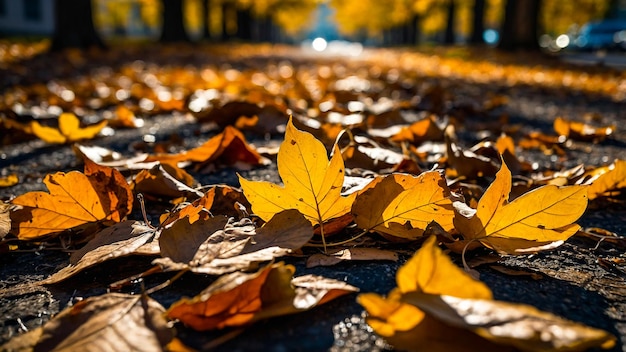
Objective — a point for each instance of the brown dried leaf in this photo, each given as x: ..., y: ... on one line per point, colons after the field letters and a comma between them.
x: 227, y: 148
x: 119, y: 240
x: 226, y: 246
x: 112, y: 322
x: 518, y: 325
x: 239, y: 299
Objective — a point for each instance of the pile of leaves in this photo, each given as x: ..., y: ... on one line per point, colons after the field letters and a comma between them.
x: 353, y: 163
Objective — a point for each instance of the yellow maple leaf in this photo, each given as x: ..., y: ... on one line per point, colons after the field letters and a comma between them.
x: 312, y: 183
x: 402, y: 205
x: 537, y: 219
x: 69, y: 130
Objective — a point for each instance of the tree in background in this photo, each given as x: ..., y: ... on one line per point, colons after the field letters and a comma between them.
x: 520, y: 28
x: 173, y: 29
x: 74, y: 26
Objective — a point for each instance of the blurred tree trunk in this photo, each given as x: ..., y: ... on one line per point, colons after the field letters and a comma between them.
x: 521, y: 25
x: 227, y: 12
x: 449, y: 37
x: 74, y: 26
x: 244, y: 28
x: 173, y: 26
x: 412, y: 30
x: 206, y: 26
x: 478, y: 22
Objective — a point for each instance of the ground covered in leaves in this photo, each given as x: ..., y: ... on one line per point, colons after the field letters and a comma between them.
x: 452, y: 110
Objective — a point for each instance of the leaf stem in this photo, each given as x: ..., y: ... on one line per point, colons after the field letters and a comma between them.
x: 166, y: 283
x: 334, y: 244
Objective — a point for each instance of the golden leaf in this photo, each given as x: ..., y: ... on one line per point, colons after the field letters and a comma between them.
x: 75, y: 199
x: 69, y: 130
x: 534, y: 220
x: 429, y: 271
x: 607, y: 179
x: 402, y: 205
x: 312, y: 183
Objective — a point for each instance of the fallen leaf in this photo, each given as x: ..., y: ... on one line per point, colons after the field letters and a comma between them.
x: 312, y: 183
x: 338, y: 255
x: 220, y: 199
x: 160, y: 181
x: 581, y: 131
x: 69, y: 130
x: 227, y: 148
x: 605, y: 180
x: 428, y: 271
x: 538, y: 218
x: 112, y: 321
x: 420, y: 131
x: 239, y: 299
x: 467, y: 163
x: 101, y: 194
x: 519, y: 325
x: 9, y: 180
x: 119, y: 240
x: 402, y: 205
x: 217, y: 245
x: 5, y: 219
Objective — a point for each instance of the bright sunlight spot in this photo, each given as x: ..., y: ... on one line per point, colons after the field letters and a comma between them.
x: 319, y: 44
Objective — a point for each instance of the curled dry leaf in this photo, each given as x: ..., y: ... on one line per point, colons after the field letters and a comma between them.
x: 100, y: 195
x: 519, y: 325
x: 606, y: 179
x: 218, y: 245
x: 5, y: 219
x: 227, y: 148
x: 420, y: 131
x: 239, y: 299
x: 165, y: 180
x: 540, y: 219
x: 429, y: 271
x: 581, y: 131
x: 403, y: 205
x: 69, y: 130
x: 219, y: 199
x: 312, y: 182
x: 122, y: 239
x: 111, y: 322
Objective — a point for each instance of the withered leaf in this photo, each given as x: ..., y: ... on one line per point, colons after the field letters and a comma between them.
x: 239, y: 299
x: 227, y: 148
x: 217, y: 246
x: 119, y: 240
x: 160, y: 181
x: 519, y: 325
x: 112, y: 322
x: 5, y: 219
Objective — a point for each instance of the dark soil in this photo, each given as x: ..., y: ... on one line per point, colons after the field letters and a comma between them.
x: 573, y: 281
